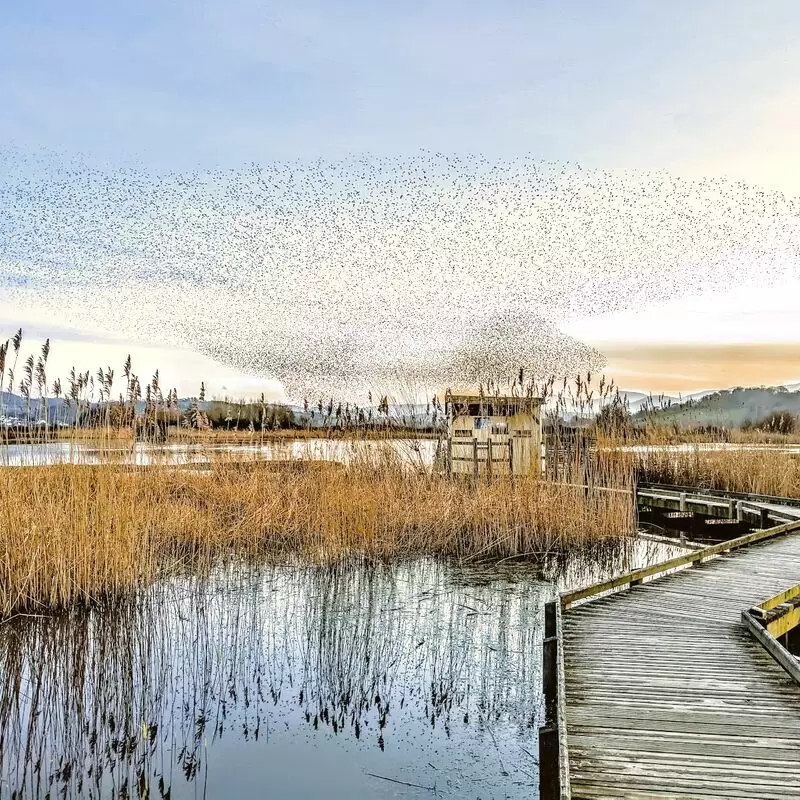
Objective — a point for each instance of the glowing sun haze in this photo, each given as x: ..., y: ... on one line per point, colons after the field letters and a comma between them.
x: 184, y: 182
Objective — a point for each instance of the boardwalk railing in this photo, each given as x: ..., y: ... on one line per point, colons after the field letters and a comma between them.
x: 733, y: 506
x: 553, y: 752
x: 773, y: 619
x: 720, y: 494
x: 637, y: 576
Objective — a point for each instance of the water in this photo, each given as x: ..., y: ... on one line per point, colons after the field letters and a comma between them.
x: 709, y: 447
x: 412, y: 451
x: 417, y: 452
x: 291, y: 681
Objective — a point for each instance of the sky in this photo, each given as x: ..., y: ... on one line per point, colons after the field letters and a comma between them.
x: 700, y: 91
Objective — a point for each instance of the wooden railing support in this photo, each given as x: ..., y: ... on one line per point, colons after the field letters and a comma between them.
x: 549, y: 774
x: 759, y: 632
x: 553, y: 757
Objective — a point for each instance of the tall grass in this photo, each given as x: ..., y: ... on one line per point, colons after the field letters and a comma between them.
x: 739, y: 468
x: 79, y: 533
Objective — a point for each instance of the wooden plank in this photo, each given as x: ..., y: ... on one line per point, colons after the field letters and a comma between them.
x: 668, y: 695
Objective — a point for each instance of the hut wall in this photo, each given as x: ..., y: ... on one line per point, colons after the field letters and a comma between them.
x: 516, y: 444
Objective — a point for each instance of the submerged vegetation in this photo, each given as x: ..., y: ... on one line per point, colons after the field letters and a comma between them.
x: 410, y: 667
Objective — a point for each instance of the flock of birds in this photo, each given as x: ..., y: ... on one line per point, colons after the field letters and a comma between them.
x: 338, y: 276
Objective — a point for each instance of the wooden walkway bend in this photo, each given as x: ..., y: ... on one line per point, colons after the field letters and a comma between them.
x: 665, y: 693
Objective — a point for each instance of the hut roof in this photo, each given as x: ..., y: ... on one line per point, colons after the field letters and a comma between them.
x: 473, y: 395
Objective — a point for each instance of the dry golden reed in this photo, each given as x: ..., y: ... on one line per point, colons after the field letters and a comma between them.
x: 77, y: 533
x: 759, y: 470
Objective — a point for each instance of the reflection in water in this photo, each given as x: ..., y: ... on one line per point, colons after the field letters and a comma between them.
x: 357, y: 680
x: 577, y: 570
x: 286, y: 682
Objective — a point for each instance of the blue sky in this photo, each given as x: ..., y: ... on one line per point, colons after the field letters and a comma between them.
x: 699, y: 88
x: 609, y: 84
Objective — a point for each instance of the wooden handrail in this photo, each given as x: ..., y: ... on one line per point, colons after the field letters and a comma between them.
x: 657, y: 570
x: 771, y: 644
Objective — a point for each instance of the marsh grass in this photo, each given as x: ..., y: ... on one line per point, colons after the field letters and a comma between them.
x: 743, y: 468
x: 78, y: 533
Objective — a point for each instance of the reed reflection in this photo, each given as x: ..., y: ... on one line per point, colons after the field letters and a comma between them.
x: 421, y: 673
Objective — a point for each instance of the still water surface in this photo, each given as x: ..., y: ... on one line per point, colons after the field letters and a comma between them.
x: 412, y: 451
x: 291, y: 681
x: 417, y: 452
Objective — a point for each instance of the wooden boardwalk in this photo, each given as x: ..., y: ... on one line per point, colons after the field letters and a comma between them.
x: 666, y: 694
x: 754, y: 508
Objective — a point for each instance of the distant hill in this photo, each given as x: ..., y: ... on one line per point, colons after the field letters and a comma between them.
x: 15, y: 406
x: 730, y: 408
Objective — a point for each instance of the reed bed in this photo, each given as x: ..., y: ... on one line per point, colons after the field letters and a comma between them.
x: 141, y: 694
x: 761, y: 470
x: 78, y: 533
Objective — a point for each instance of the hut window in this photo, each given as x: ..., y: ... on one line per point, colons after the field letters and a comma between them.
x: 523, y: 434
x: 500, y: 429
x: 460, y: 432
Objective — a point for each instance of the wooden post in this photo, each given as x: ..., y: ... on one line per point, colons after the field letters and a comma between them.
x: 549, y: 619
x: 489, y: 457
x: 475, y: 459
x: 510, y: 454
x: 550, y: 679
x: 683, y: 501
x: 731, y: 509
x: 764, y: 518
x: 549, y: 774
x: 739, y: 511
x: 550, y: 664
x: 450, y: 455
x: 549, y: 767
